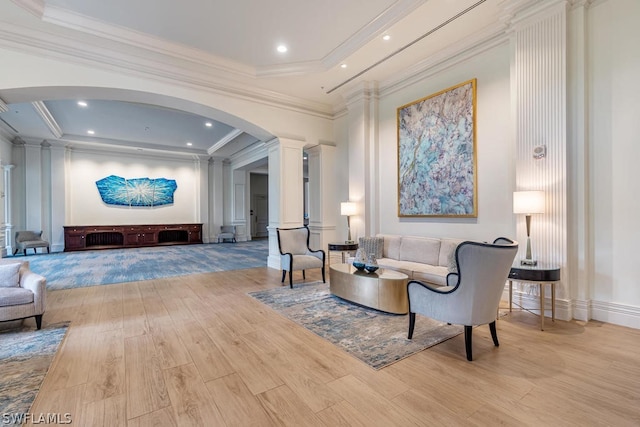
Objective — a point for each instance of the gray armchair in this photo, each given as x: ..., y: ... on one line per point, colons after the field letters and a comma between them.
x: 22, y: 292
x: 29, y: 240
x: 472, y: 295
x: 295, y: 254
x: 227, y: 232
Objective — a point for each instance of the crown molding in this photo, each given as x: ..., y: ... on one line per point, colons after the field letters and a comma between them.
x: 162, y: 69
x: 128, y: 146
x: 467, y: 48
x: 34, y: 7
x: 3, y: 106
x: 47, y: 118
x: 224, y: 141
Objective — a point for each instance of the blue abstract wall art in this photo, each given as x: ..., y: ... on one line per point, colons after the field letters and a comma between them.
x: 146, y: 192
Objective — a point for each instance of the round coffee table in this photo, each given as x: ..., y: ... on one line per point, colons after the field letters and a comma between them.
x: 384, y: 290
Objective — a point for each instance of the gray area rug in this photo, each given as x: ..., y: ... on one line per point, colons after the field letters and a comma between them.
x: 25, y: 357
x: 65, y: 270
x: 378, y: 339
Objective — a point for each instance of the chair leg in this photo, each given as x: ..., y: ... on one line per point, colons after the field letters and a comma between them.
x: 494, y: 334
x: 303, y: 275
x: 284, y: 274
x: 412, y: 324
x: 15, y: 251
x: 48, y: 250
x: 24, y: 252
x: 467, y: 341
x: 323, y: 281
x: 291, y: 279
x: 38, y: 320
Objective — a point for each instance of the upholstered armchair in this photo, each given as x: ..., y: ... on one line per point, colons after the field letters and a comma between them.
x: 295, y: 253
x: 227, y: 232
x: 22, y: 292
x: 29, y: 240
x: 472, y: 294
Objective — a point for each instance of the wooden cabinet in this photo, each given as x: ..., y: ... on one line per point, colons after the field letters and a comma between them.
x: 78, y: 238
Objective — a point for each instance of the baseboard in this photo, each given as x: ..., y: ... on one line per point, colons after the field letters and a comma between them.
x: 619, y: 314
x: 615, y: 313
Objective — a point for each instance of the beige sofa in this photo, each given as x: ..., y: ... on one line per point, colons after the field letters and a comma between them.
x: 426, y: 259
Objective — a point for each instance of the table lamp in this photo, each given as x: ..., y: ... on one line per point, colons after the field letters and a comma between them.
x: 347, y: 209
x: 528, y: 202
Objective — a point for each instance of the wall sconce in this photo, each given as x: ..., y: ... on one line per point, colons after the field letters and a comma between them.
x: 347, y: 209
x: 528, y: 202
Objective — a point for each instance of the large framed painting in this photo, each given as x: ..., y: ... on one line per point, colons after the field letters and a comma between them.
x: 437, y: 174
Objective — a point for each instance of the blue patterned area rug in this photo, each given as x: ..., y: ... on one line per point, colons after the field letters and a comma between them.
x: 378, y: 339
x: 25, y: 357
x: 65, y: 270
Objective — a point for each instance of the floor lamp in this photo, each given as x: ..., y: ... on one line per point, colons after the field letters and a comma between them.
x: 528, y: 202
x: 347, y: 209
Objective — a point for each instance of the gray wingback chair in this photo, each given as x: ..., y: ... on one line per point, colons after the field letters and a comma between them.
x: 30, y: 240
x: 295, y: 254
x: 22, y: 292
x: 472, y: 295
x: 227, y: 232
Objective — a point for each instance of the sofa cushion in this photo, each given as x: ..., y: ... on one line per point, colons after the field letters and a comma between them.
x: 372, y: 245
x: 447, y: 248
x: 424, y: 250
x: 434, y: 274
x: 9, y: 275
x: 394, y: 264
x: 391, y: 247
x: 15, y: 296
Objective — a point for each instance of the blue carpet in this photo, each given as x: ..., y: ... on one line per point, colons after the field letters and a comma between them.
x: 65, y: 270
x: 25, y: 357
x: 376, y: 338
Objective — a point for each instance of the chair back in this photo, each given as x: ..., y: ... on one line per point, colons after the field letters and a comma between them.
x: 27, y: 236
x: 228, y: 229
x: 483, y: 269
x: 293, y: 240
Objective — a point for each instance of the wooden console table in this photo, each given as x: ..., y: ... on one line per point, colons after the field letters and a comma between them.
x: 85, y: 237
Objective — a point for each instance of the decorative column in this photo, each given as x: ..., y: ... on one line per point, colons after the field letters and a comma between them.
x: 7, y: 226
x: 539, y: 87
x: 286, y: 199
x: 216, y: 196
x: 239, y: 198
x: 323, y: 206
x: 362, y: 106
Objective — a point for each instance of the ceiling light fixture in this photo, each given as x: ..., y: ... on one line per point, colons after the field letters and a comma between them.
x: 282, y: 48
x: 386, y: 37
x: 189, y: 144
x: 82, y: 103
x: 208, y: 124
x: 343, y: 66
x: 91, y: 132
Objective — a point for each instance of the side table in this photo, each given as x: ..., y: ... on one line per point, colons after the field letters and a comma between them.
x: 537, y: 274
x: 341, y: 247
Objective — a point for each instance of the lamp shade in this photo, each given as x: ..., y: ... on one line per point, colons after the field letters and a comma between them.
x: 347, y: 208
x: 528, y: 202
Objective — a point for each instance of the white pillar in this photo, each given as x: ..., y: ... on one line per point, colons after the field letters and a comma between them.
x: 7, y: 226
x: 324, y: 209
x: 216, y: 197
x: 286, y: 180
x: 239, y: 197
x: 201, y: 166
x: 58, y: 190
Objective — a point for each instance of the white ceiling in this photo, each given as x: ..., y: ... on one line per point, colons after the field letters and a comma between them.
x: 237, y: 41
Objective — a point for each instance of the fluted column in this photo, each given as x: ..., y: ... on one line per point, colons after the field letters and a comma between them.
x: 539, y: 87
x: 7, y: 226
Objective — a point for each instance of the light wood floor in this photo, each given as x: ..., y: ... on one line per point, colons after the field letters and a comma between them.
x: 198, y: 351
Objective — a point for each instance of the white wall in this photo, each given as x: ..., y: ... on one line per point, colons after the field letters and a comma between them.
x: 614, y: 68
x: 494, y: 152
x: 85, y: 207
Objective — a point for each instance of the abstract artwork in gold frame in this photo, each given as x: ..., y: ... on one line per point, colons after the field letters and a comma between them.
x: 437, y: 173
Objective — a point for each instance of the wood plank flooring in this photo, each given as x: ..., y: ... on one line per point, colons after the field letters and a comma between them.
x: 198, y: 351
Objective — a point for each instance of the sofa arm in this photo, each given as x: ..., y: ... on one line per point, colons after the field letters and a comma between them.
x: 36, y: 284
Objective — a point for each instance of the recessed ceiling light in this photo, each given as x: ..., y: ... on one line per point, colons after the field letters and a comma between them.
x: 386, y: 37
x: 282, y: 48
x: 343, y: 66
x: 82, y: 103
x: 208, y: 124
x: 91, y: 132
x: 189, y: 144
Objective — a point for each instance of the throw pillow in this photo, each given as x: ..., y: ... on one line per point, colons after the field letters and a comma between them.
x: 372, y: 245
x: 9, y: 275
x: 452, y: 265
